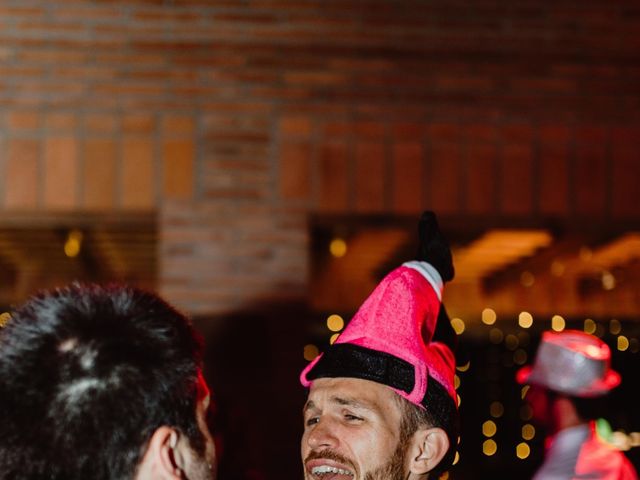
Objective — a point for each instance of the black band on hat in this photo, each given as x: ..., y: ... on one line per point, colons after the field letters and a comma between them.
x: 354, y: 361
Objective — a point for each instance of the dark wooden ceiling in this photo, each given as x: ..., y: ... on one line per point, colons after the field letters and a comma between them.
x: 99, y: 248
x: 574, y: 269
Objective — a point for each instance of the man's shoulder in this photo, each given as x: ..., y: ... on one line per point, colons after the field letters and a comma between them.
x: 598, y: 456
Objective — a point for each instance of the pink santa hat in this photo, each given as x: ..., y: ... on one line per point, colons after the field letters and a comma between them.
x: 390, y: 340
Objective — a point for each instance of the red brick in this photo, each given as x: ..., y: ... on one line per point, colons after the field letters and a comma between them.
x: 178, y: 171
x: 138, y: 174
x: 591, y: 134
x: 138, y: 123
x: 24, y: 120
x: 590, y: 180
x: 369, y: 180
x: 517, y: 177
x: 626, y: 136
x: 102, y: 123
x: 61, y: 173
x: 443, y: 179
x: 553, y: 171
x: 370, y: 129
x: 517, y: 133
x: 481, y: 179
x: 626, y: 179
x: 481, y: 133
x: 555, y: 134
x: 61, y: 121
x: 21, y: 182
x: 295, y: 126
x: 441, y: 133
x: 334, y: 178
x: 178, y: 125
x: 295, y: 171
x: 99, y: 172
x: 407, y: 131
x: 334, y: 130
x: 408, y: 177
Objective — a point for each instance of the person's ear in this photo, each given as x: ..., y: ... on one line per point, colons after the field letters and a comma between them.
x: 165, y: 454
x: 427, y: 448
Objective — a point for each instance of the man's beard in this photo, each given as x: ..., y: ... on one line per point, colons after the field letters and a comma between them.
x: 393, y: 469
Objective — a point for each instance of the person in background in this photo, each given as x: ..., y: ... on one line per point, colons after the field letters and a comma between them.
x: 102, y: 383
x: 569, y: 379
x: 381, y: 402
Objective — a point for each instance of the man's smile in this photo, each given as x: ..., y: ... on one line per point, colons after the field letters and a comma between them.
x: 326, y: 469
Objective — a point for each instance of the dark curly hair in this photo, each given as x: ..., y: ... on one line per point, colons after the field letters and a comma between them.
x: 87, y: 374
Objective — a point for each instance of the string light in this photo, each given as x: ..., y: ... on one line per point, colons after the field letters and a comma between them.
x: 557, y: 323
x: 338, y: 247
x: 615, y: 327
x: 527, y: 279
x: 608, y: 281
x: 520, y: 357
x: 489, y: 447
x: 333, y: 338
x: 496, y: 409
x: 623, y: 343
x: 465, y: 367
x: 73, y: 243
x: 489, y: 316
x: 589, y: 326
x: 525, y: 319
x: 489, y: 428
x: 335, y: 323
x: 496, y: 336
x: 310, y: 352
x: 528, y: 431
x: 512, y: 342
x: 522, y: 451
x: 458, y: 325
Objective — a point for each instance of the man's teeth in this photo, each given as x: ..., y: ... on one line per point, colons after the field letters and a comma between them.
x: 322, y: 469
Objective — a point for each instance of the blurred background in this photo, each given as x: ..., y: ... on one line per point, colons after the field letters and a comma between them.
x: 262, y: 164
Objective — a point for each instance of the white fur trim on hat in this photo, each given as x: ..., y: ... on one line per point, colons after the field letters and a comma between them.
x: 429, y: 272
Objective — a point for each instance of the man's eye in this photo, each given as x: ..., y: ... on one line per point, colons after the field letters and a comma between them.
x: 312, y: 421
x: 352, y: 418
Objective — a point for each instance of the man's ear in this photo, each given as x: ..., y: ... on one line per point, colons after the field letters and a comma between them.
x: 427, y: 448
x: 163, y: 458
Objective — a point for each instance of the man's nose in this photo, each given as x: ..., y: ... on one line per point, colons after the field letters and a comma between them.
x: 322, y: 435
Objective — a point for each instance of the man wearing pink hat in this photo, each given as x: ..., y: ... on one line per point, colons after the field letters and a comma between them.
x: 381, y: 402
x: 570, y: 376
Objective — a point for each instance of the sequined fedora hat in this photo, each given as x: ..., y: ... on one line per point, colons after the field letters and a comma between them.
x: 572, y: 362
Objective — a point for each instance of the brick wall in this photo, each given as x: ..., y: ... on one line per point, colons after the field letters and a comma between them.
x: 236, y: 120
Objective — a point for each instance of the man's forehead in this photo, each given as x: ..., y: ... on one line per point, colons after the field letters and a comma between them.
x: 351, y: 391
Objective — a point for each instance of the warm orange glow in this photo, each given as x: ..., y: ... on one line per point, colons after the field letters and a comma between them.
x: 557, y: 323
x: 489, y: 447
x: 310, y: 352
x: 338, y: 247
x: 489, y: 316
x: 335, y: 323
